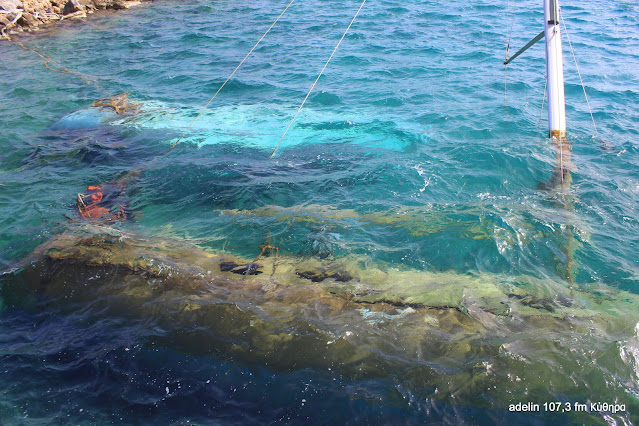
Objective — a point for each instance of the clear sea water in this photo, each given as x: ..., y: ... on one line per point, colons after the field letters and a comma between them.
x: 406, y: 155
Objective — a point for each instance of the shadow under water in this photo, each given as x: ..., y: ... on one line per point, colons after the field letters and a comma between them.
x: 461, y: 340
x: 562, y: 198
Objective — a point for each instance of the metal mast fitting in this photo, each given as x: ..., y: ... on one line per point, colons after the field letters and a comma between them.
x: 554, y: 71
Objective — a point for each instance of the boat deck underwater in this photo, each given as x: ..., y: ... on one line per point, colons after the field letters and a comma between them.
x: 417, y: 251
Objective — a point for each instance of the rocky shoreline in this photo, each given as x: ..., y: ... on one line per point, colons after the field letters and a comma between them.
x: 18, y: 16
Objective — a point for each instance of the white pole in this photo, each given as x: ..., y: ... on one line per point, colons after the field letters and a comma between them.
x: 554, y: 71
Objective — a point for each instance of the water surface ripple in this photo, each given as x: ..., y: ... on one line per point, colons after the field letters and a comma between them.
x: 406, y: 155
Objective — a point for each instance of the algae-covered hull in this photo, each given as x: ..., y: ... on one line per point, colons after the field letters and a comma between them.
x: 436, y: 339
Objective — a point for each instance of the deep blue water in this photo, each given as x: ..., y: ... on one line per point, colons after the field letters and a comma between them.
x: 406, y: 154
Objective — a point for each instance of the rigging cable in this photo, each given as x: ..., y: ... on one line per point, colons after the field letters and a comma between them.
x: 543, y: 100
x: 226, y: 81
x: 560, y: 141
x: 318, y: 77
x: 509, y: 34
x: 135, y: 171
x: 578, y: 73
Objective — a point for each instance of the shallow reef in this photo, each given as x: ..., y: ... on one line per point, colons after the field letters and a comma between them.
x: 443, y: 336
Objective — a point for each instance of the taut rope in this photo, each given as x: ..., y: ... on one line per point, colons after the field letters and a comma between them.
x: 509, y: 34
x: 543, y: 100
x: 318, y: 77
x: 135, y: 170
x: 227, y: 80
x: 578, y: 73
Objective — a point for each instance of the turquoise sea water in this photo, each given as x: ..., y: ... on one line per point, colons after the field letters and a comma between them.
x: 406, y: 155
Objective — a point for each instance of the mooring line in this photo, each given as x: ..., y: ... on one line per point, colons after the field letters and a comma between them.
x: 88, y: 79
x: 318, y: 77
x: 135, y: 170
x: 227, y: 80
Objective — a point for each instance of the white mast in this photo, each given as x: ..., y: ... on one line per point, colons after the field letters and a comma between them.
x: 554, y: 71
